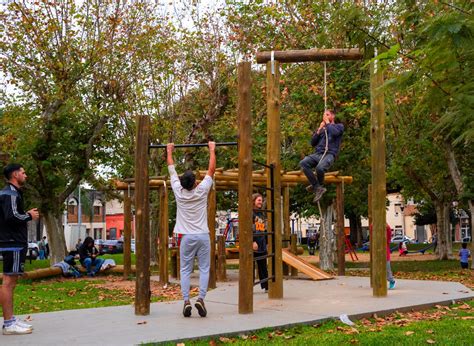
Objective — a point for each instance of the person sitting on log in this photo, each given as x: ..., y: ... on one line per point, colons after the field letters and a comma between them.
x: 88, y: 257
x: 327, y: 141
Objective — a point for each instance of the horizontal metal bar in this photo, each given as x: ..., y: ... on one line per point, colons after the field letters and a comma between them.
x: 195, y: 145
x: 262, y: 164
x: 265, y: 210
x: 262, y: 233
x: 264, y: 280
x: 263, y: 187
x: 258, y: 258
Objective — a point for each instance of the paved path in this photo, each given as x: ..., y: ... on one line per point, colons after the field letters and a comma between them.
x: 305, y: 302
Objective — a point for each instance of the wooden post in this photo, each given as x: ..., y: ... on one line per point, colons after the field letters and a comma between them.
x: 341, y: 244
x: 221, y: 269
x: 275, y: 288
x: 370, y: 235
x: 211, y: 221
x: 378, y: 243
x: 286, y: 224
x: 127, y: 234
x: 163, y: 236
x: 142, y: 227
x: 294, y: 251
x: 245, y: 189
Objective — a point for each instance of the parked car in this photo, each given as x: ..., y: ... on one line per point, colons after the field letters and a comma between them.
x: 402, y: 238
x: 112, y: 246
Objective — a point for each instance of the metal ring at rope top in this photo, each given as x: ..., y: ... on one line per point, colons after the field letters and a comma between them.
x: 272, y: 59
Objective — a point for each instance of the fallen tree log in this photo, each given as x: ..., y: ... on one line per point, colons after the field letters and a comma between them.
x: 55, y: 271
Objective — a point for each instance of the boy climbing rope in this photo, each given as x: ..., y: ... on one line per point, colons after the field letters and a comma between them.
x: 326, y: 140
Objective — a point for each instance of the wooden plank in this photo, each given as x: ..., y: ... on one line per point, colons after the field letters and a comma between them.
x: 341, y: 244
x: 290, y: 56
x: 275, y: 287
x: 245, y: 188
x: 142, y: 220
x: 378, y: 241
x: 164, y: 236
x: 127, y: 234
x: 211, y: 222
x: 305, y: 267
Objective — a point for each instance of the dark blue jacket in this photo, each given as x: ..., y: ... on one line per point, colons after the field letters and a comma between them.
x: 334, y: 132
x: 13, y: 219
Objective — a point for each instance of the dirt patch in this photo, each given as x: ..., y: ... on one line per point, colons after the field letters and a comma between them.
x: 127, y: 287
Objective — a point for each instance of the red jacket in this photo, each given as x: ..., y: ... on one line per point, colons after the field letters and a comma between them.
x: 389, y: 237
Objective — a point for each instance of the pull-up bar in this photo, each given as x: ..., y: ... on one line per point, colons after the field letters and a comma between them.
x: 195, y: 145
x: 310, y: 55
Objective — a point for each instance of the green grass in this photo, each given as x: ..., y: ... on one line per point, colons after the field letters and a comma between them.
x: 440, y: 326
x: 42, y: 296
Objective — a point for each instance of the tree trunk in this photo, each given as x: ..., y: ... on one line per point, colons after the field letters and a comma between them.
x: 56, y: 239
x: 353, y: 227
x: 359, y: 232
x: 471, y: 209
x: 327, y: 240
x: 445, y: 250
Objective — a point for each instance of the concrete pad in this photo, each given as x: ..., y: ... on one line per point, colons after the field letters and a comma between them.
x: 305, y: 302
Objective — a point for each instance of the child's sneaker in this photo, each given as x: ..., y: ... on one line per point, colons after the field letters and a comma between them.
x: 391, y: 285
x: 187, y: 309
x: 201, y: 307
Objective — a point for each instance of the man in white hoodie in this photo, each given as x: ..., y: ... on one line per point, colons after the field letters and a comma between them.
x: 191, y: 222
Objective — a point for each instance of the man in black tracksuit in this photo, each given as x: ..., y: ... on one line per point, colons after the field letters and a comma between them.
x: 13, y: 243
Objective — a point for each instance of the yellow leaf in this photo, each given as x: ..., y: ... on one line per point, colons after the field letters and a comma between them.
x: 430, y: 341
x: 409, y: 333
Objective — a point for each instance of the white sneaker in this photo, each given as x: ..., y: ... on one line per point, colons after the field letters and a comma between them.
x: 23, y: 324
x: 16, y: 329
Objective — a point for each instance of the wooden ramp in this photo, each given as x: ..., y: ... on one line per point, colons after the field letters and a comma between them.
x: 304, y: 267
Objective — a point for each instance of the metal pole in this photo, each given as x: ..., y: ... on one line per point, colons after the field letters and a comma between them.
x: 196, y: 145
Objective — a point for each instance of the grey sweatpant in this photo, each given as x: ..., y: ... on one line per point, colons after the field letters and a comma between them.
x: 195, y: 245
x: 389, y: 272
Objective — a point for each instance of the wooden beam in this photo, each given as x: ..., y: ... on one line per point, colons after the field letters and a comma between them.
x: 370, y: 235
x: 221, y: 259
x: 286, y: 224
x: 378, y: 241
x: 275, y: 287
x: 245, y: 188
x: 211, y: 222
x: 341, y: 244
x: 163, y: 236
x: 127, y: 234
x: 142, y: 227
x: 310, y: 55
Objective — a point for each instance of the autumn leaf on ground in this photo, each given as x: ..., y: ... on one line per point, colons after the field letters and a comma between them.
x: 28, y: 319
x: 409, y: 333
x: 430, y: 341
x: 142, y: 322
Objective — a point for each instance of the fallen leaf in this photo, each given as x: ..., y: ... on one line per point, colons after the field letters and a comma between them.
x: 409, y: 333
x: 430, y: 341
x: 141, y: 322
x: 224, y: 339
x: 429, y: 331
x: 464, y: 307
x: 354, y: 341
x: 289, y: 337
x: 28, y: 318
x: 244, y: 337
x: 212, y: 342
x: 467, y: 318
x: 181, y: 344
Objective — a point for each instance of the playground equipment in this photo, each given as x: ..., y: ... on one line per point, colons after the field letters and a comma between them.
x: 305, y: 267
x: 244, y: 180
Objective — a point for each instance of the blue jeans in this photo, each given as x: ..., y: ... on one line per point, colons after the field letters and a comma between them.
x: 322, y: 165
x: 88, y: 263
x: 41, y: 255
